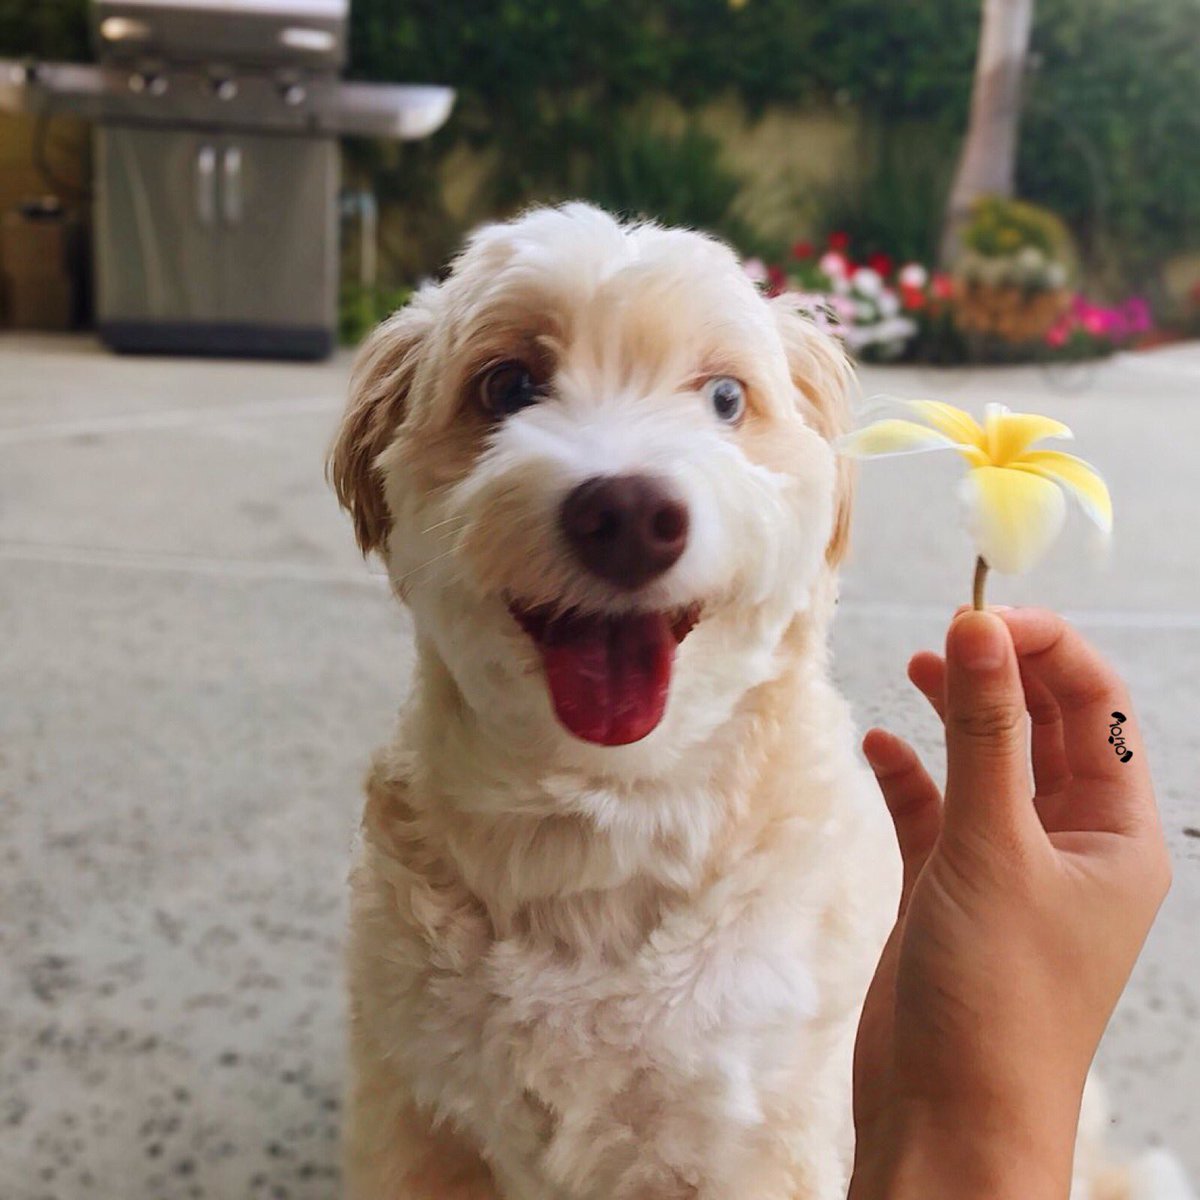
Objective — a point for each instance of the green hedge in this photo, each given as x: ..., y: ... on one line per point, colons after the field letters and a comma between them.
x: 44, y: 29
x: 1112, y: 128
x: 557, y: 84
x: 1109, y: 137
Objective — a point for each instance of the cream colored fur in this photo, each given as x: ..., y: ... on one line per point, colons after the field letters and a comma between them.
x: 607, y: 973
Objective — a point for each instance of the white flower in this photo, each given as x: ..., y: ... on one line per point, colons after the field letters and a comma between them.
x: 1030, y: 258
x: 892, y: 333
x: 889, y: 303
x: 913, y: 275
x: 868, y: 282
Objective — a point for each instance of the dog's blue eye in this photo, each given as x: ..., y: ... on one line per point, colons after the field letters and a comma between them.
x: 727, y: 396
x: 508, y: 388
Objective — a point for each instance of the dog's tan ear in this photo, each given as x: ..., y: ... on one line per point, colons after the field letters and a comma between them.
x: 824, y: 382
x: 379, y: 386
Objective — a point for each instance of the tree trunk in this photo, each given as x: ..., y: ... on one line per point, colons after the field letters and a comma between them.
x: 987, y: 164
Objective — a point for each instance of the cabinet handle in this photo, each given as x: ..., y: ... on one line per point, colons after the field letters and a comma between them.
x: 206, y: 185
x: 231, y: 185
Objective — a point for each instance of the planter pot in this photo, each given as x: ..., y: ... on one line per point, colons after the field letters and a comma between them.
x: 1005, y: 311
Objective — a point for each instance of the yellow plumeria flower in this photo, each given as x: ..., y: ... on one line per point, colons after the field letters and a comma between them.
x: 1014, y: 494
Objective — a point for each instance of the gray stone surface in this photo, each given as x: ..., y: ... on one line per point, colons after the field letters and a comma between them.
x: 195, y: 665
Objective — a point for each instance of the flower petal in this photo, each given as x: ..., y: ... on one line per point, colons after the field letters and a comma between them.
x: 956, y: 424
x: 892, y: 436
x: 1012, y: 515
x: 1007, y: 434
x: 1081, y: 479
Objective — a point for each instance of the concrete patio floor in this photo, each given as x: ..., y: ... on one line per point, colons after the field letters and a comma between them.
x: 195, y: 665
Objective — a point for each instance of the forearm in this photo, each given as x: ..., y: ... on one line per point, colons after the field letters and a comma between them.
x: 967, y: 1155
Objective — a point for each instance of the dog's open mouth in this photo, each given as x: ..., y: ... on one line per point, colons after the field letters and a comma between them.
x: 608, y: 675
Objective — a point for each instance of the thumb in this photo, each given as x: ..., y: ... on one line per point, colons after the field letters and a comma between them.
x: 988, y: 787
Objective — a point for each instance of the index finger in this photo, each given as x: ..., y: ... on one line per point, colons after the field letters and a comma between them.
x: 1100, y: 735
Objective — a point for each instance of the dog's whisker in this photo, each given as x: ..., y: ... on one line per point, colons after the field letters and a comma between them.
x: 458, y: 517
x: 425, y: 566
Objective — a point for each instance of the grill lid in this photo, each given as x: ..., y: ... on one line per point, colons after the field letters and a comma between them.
x: 260, y: 103
x: 307, y: 35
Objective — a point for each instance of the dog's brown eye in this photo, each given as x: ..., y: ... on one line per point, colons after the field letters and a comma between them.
x: 508, y: 388
x: 727, y: 396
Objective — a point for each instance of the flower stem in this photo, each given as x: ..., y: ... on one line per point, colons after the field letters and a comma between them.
x: 981, y: 570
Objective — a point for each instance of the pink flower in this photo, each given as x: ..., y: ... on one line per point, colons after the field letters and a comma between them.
x: 1138, y: 318
x: 756, y: 270
x: 912, y: 275
x: 834, y: 265
x: 844, y: 309
x: 943, y: 286
x: 1058, y: 333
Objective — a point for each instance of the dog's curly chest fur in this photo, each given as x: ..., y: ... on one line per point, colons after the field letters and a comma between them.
x: 637, y: 1040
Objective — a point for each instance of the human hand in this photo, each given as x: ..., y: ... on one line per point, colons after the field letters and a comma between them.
x: 1024, y: 906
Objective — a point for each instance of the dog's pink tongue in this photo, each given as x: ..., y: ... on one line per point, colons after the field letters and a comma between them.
x: 609, y: 676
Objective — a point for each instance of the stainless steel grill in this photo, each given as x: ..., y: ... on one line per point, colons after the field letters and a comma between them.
x: 217, y: 166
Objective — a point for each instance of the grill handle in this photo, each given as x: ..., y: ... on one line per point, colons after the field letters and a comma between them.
x: 206, y: 185
x: 231, y: 185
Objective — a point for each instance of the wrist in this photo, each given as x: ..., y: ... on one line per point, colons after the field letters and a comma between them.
x: 966, y: 1152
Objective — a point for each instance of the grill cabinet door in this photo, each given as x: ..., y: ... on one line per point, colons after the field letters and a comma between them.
x: 277, y: 215
x: 157, y: 225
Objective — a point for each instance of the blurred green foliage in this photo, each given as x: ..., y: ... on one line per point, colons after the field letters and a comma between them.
x: 549, y: 82
x: 677, y: 180
x: 361, y: 308
x: 891, y: 201
x: 44, y: 29
x: 1109, y: 134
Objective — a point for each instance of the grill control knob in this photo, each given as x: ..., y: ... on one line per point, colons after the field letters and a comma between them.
x: 225, y: 89
x: 294, y: 94
x: 148, y: 82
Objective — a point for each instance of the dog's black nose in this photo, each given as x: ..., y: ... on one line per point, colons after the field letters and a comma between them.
x: 628, y: 529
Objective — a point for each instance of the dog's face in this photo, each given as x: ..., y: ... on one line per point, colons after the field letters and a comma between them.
x: 597, y: 463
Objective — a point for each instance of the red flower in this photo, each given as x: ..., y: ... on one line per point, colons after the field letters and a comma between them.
x: 839, y: 241
x: 942, y: 286
x: 912, y: 298
x: 776, y: 280
x: 1058, y: 333
x: 802, y: 250
x: 881, y: 264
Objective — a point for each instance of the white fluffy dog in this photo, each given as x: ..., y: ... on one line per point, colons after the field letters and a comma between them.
x: 623, y: 881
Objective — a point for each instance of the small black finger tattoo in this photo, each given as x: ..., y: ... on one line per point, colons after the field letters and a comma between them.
x: 1116, y: 737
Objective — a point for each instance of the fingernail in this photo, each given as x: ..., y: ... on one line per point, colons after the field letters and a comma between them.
x: 977, y: 641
